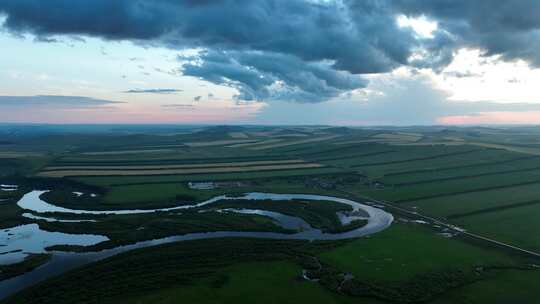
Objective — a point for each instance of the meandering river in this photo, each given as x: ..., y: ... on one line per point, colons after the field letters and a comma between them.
x: 17, y: 242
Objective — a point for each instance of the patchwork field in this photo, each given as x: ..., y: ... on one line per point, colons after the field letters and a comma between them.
x: 164, y: 166
x: 268, y: 146
x: 466, y: 177
x: 172, y: 171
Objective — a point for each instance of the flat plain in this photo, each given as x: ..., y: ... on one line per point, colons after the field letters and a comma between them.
x: 483, y: 180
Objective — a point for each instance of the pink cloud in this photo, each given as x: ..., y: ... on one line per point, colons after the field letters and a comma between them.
x: 530, y: 117
x: 128, y: 115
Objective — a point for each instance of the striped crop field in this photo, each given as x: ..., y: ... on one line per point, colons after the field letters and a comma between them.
x: 174, y: 166
x: 297, y: 142
x: 201, y: 170
x: 220, y: 142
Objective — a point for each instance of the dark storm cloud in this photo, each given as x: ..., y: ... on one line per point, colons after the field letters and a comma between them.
x: 509, y: 28
x: 54, y: 100
x: 362, y: 38
x: 152, y: 91
x: 303, y: 32
x: 250, y: 44
x: 257, y: 76
x: 119, y: 19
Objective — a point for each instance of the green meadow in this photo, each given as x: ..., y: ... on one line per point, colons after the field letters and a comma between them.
x: 489, y: 187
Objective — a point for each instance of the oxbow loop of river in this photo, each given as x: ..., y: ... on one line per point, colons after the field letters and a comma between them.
x: 17, y: 242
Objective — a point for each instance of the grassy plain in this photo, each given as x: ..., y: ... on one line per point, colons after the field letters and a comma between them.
x: 483, y: 179
x: 405, y: 251
x: 266, y: 271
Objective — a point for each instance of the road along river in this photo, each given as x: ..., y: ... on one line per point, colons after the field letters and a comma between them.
x: 17, y: 242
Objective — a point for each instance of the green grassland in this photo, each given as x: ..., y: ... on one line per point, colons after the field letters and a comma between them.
x: 257, y: 282
x: 195, y: 264
x: 514, y: 226
x: 147, y: 192
x: 486, y: 180
x: 475, y: 201
x: 269, y: 271
x: 436, y: 189
x: 405, y: 251
x: 10, y: 213
x: 447, y: 166
x: 481, y: 164
x: 508, y: 287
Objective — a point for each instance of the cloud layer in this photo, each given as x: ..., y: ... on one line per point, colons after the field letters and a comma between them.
x: 252, y: 46
x: 152, y: 91
x: 406, y: 101
x: 298, y: 50
x: 266, y: 76
x: 508, y: 28
x: 63, y: 102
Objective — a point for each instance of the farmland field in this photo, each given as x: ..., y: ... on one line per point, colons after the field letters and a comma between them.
x: 451, y: 205
x: 173, y: 171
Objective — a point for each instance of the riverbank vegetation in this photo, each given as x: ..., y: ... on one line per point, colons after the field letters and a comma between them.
x: 382, y: 268
x: 30, y: 263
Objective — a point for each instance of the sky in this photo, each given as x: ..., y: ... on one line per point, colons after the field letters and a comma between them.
x: 274, y: 62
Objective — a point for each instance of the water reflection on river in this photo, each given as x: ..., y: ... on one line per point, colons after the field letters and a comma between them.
x: 17, y: 241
